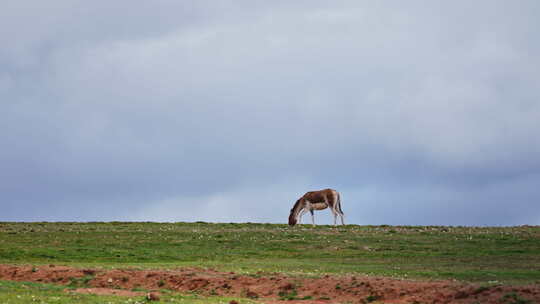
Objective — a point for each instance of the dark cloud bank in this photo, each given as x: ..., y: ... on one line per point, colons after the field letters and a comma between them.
x: 228, y: 111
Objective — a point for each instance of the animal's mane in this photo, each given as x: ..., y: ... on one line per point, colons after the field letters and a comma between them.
x: 295, y: 208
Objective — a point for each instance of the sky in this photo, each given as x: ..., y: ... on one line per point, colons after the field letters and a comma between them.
x: 418, y: 113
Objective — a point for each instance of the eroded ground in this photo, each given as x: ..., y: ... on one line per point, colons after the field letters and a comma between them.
x: 271, y: 288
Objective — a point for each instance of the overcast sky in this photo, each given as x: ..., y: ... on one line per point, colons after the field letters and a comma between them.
x: 417, y: 112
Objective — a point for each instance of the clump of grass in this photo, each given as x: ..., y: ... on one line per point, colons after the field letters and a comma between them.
x: 513, y: 298
x: 293, y: 295
x: 288, y: 295
x: 480, y: 289
x: 161, y: 283
x: 372, y: 298
x: 80, y: 282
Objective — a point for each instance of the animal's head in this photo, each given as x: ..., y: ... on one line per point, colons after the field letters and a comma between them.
x: 293, y: 217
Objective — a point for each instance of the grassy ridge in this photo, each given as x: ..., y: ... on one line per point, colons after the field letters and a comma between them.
x: 508, y: 254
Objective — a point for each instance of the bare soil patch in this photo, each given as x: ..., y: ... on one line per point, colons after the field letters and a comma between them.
x: 276, y: 287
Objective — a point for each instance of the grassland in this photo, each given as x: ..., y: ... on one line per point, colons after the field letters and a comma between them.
x: 509, y: 254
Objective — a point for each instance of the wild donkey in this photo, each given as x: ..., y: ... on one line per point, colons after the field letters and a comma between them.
x: 316, y: 200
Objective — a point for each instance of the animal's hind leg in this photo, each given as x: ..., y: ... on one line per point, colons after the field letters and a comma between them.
x: 335, y: 216
x: 312, y: 217
x: 336, y: 213
x: 341, y: 215
x: 338, y: 209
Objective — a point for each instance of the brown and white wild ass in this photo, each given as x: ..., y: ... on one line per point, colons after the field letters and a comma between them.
x: 316, y: 200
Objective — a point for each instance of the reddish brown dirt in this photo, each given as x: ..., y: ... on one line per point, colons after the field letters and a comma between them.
x: 271, y: 288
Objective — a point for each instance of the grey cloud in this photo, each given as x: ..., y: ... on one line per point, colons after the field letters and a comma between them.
x: 418, y: 114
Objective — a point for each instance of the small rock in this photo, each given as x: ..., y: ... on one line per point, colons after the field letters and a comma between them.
x: 110, y: 280
x: 252, y: 295
x: 89, y: 271
x: 287, y: 286
x: 460, y: 295
x: 152, y: 296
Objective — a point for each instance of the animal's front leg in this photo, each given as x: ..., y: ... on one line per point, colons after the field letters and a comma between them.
x: 300, y: 216
x: 312, y: 217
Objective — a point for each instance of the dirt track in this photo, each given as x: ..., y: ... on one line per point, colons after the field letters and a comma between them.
x: 275, y: 288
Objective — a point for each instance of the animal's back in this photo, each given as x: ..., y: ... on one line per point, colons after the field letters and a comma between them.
x: 319, y: 196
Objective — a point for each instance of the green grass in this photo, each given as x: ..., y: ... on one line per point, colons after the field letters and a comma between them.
x: 482, y: 254
x: 25, y: 292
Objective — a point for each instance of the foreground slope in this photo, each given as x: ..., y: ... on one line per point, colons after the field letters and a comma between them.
x: 273, y: 263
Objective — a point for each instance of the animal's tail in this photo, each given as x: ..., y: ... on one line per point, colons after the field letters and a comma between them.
x: 339, y: 203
